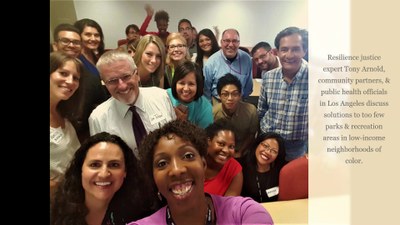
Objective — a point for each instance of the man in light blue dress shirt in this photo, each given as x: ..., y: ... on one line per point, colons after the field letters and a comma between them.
x: 230, y: 59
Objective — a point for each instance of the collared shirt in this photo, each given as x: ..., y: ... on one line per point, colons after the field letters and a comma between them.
x: 283, y: 107
x: 200, y: 110
x: 218, y: 66
x: 244, y: 120
x: 153, y: 106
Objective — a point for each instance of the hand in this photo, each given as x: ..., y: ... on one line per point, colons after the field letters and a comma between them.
x: 180, y: 114
x: 149, y: 9
x: 216, y: 31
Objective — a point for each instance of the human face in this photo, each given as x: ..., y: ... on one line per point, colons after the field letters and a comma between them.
x: 132, y: 52
x: 90, y: 38
x: 186, y: 88
x: 71, y: 49
x: 125, y: 91
x: 178, y: 171
x: 133, y: 34
x: 103, y: 172
x: 221, y: 147
x: 151, y: 58
x: 263, y: 59
x: 230, y: 96
x: 162, y: 26
x: 186, y: 30
x: 205, y: 43
x: 230, y: 43
x: 267, y: 151
x: 177, y: 50
x: 291, y: 53
x: 64, y: 81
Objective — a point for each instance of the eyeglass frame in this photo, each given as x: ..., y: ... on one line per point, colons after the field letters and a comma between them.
x: 185, y: 29
x: 267, y: 147
x: 179, y: 46
x: 234, y: 94
x: 63, y: 41
x: 263, y: 56
x: 124, y: 78
x: 228, y: 41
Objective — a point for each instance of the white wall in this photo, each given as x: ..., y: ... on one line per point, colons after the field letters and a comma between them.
x: 255, y: 20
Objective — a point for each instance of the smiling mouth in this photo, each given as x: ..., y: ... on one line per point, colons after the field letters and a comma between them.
x: 102, y: 184
x: 180, y: 191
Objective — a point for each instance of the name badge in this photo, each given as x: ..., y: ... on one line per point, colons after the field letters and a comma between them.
x: 56, y: 135
x: 272, y: 192
x: 156, y: 118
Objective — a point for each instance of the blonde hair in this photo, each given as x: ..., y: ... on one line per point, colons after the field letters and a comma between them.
x: 174, y: 36
x: 141, y: 46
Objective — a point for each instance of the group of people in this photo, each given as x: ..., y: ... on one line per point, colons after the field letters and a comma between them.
x: 170, y: 125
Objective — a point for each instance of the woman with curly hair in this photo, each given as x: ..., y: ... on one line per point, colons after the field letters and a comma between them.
x: 104, y: 184
x: 174, y: 157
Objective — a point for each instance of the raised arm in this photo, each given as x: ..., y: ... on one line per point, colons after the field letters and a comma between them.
x: 145, y: 24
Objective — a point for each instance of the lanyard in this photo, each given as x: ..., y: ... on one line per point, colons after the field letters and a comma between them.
x: 170, y: 221
x: 230, y: 64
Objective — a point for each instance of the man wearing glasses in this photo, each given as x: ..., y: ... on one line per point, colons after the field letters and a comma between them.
x: 186, y: 30
x: 230, y: 59
x: 152, y: 104
x: 67, y: 39
x: 242, y: 115
x: 264, y: 57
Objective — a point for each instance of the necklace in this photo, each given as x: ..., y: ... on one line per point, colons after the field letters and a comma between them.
x: 170, y: 221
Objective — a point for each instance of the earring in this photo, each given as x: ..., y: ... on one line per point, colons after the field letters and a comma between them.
x: 159, y: 196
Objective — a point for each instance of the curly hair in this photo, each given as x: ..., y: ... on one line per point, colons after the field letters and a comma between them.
x: 219, y: 125
x: 161, y: 15
x: 69, y: 201
x: 184, y: 129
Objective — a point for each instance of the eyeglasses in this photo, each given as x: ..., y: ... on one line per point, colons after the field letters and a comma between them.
x: 115, y: 81
x: 66, y: 42
x: 185, y: 29
x: 263, y: 56
x: 268, y: 148
x: 171, y: 47
x: 234, y: 41
x: 234, y: 94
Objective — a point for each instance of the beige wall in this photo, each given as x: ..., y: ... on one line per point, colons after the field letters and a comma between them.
x: 61, y: 12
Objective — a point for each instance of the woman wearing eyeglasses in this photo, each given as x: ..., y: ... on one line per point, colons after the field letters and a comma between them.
x: 261, y: 166
x: 177, y: 52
